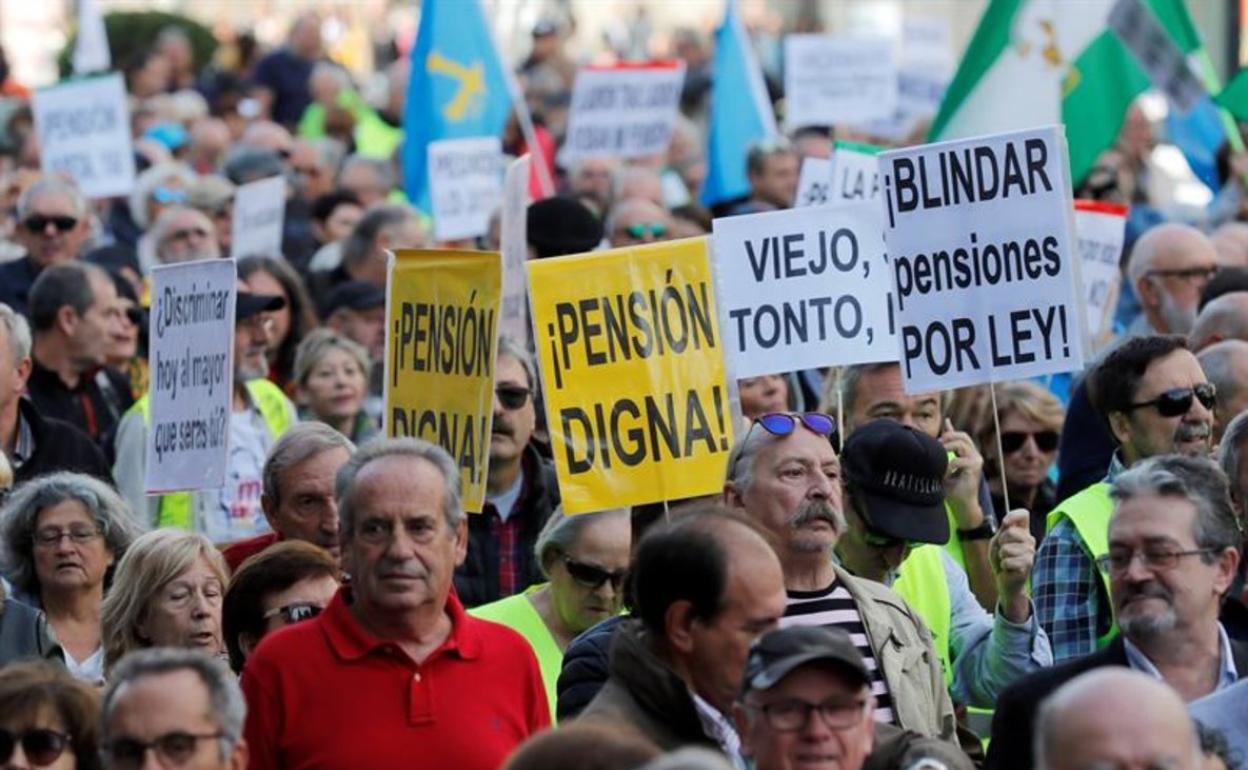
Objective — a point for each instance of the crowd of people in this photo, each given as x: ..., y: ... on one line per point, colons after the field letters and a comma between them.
x: 1050, y: 575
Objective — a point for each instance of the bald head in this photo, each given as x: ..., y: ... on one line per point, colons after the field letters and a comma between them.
x: 267, y: 135
x: 1170, y: 266
x: 1225, y: 318
x: 1225, y: 364
x: 1231, y: 243
x: 1115, y: 717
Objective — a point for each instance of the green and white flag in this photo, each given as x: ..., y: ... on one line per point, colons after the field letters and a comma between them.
x: 1039, y: 62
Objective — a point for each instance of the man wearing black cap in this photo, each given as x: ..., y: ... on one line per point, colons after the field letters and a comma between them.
x: 262, y: 413
x: 894, y: 503
x: 357, y: 311
x: 558, y: 226
x: 806, y: 699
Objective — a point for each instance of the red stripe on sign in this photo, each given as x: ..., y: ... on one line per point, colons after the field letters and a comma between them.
x: 1101, y: 207
x: 641, y: 65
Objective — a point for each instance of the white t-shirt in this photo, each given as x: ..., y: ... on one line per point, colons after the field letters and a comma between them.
x: 238, y: 514
x: 90, y: 670
x: 506, y: 500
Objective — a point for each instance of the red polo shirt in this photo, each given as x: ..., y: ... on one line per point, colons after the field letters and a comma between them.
x: 237, y: 553
x: 327, y: 694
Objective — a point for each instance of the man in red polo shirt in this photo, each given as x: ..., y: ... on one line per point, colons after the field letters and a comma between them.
x: 394, y: 674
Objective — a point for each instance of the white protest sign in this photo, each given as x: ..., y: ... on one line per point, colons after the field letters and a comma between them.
x: 84, y: 132
x: 1158, y: 55
x: 1100, y: 229
x: 91, y: 52
x: 926, y: 67
x: 855, y: 173
x: 803, y: 288
x: 983, y: 259
x: 623, y: 111
x: 464, y: 177
x: 192, y: 375
x: 259, y: 209
x: 830, y: 80
x: 813, y: 182
x: 513, y: 318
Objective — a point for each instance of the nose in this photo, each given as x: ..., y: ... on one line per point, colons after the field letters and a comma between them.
x: 329, y: 519
x: 18, y: 761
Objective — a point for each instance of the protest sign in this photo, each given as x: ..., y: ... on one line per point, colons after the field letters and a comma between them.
x: 1100, y: 228
x: 464, y: 177
x: 259, y: 210
x: 191, y: 391
x: 855, y: 172
x: 623, y: 111
x: 513, y: 318
x: 84, y: 133
x: 637, y: 395
x: 829, y: 80
x: 803, y: 288
x: 441, y: 340
x: 1156, y: 52
x: 983, y: 259
x: 813, y: 182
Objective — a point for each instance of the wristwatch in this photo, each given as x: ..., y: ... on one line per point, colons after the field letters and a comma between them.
x: 984, y: 531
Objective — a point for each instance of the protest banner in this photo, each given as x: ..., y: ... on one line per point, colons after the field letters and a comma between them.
x: 191, y: 391
x: 830, y: 80
x: 813, y: 182
x: 855, y: 172
x: 259, y: 211
x: 464, y: 176
x: 983, y: 259
x: 803, y: 288
x: 84, y: 132
x: 513, y: 320
x: 1100, y: 228
x: 638, y: 398
x: 442, y: 337
x: 623, y: 111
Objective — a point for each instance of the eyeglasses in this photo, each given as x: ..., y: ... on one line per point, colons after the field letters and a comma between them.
x: 173, y: 749
x: 1187, y: 274
x: 512, y: 396
x: 1118, y: 561
x: 293, y: 613
x: 169, y: 195
x: 77, y: 535
x: 1013, y: 440
x: 185, y: 234
x: 42, y: 747
x: 1177, y: 401
x: 789, y: 715
x: 593, y: 577
x: 38, y: 223
x: 639, y: 230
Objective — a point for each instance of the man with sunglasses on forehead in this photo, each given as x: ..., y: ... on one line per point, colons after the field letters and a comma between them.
x: 520, y: 490
x: 52, y: 228
x: 1154, y: 398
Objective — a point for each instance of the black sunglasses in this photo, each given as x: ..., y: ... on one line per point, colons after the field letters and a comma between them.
x: 593, y: 577
x: 512, y: 396
x: 1177, y: 401
x: 41, y: 746
x: 38, y: 223
x: 1013, y: 440
x: 134, y: 315
x: 293, y: 613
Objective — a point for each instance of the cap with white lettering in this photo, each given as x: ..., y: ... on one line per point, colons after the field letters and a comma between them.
x: 898, y: 475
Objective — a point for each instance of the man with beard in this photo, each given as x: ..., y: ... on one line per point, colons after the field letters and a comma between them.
x: 520, y: 490
x: 1155, y: 399
x: 1173, y: 548
x: 1170, y: 266
x: 787, y: 477
x: 261, y: 414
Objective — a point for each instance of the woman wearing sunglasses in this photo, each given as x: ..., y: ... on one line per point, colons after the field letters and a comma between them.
x: 47, y: 719
x: 1031, y: 427
x: 585, y: 559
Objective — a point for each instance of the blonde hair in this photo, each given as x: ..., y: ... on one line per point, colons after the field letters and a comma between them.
x: 318, y: 344
x: 150, y: 563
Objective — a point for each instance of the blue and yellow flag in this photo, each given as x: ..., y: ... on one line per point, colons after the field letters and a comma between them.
x: 458, y: 87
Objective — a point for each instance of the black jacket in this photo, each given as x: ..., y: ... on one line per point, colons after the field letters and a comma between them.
x: 16, y: 278
x: 59, y: 446
x: 95, y: 407
x: 476, y: 580
x: 1011, y: 747
x: 586, y: 666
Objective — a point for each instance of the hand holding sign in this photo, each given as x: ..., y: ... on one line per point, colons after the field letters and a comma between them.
x: 1011, y: 554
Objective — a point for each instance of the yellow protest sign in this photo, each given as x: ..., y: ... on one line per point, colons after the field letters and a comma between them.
x: 441, y: 336
x: 637, y: 400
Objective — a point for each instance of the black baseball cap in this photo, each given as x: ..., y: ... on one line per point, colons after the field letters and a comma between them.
x: 898, y: 473
x: 249, y: 304
x: 779, y: 652
x: 355, y: 295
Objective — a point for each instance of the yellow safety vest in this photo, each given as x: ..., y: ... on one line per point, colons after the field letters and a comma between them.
x: 1089, y: 511
x: 925, y: 587
x: 175, y: 507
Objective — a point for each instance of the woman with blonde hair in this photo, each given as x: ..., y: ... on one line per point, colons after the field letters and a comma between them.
x: 331, y: 379
x: 167, y: 592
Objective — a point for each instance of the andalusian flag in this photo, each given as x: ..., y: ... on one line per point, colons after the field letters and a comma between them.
x: 1039, y: 62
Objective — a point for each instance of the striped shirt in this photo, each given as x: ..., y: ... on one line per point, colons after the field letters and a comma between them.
x: 834, y: 606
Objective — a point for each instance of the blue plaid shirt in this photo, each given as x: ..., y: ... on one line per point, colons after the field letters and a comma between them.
x: 1067, y: 589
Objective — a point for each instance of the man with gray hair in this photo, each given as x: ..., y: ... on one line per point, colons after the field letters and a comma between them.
x: 184, y: 234
x: 370, y: 179
x: 298, y: 493
x: 1172, y: 556
x: 394, y: 657
x: 33, y: 443
x: 52, y: 227
x: 181, y: 705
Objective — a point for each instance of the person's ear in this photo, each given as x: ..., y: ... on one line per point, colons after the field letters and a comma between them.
x: 461, y: 540
x: 1146, y: 289
x: 66, y: 319
x: 239, y: 756
x: 733, y: 498
x: 678, y: 623
x: 1120, y: 427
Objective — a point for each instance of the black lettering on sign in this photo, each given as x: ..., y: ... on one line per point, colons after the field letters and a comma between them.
x: 465, y: 437
x: 442, y: 339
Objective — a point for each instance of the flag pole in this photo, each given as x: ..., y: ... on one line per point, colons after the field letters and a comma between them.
x: 525, y: 120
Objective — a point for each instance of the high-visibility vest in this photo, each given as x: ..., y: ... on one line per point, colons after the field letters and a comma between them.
x: 1089, y: 511
x: 925, y: 587
x: 175, y: 507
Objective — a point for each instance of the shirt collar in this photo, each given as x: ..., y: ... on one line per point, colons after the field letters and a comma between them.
x: 351, y: 641
x: 1227, y: 673
x: 1116, y: 466
x: 717, y: 726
